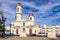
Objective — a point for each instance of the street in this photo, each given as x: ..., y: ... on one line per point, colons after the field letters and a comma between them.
x: 28, y: 38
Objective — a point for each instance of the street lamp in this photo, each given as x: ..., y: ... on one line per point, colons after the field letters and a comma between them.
x: 45, y: 28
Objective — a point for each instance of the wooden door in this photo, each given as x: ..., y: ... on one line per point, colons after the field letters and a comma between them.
x: 30, y: 31
x: 16, y: 31
x: 23, y: 29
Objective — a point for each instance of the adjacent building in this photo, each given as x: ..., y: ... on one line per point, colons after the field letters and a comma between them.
x: 48, y: 29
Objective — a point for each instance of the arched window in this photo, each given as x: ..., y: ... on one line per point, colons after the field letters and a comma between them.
x: 23, y: 24
x: 17, y: 9
x: 16, y: 31
x: 30, y: 18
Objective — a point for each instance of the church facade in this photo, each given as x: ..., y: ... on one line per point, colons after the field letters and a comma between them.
x: 22, y: 25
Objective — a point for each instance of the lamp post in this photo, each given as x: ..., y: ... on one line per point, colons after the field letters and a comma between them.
x: 45, y: 28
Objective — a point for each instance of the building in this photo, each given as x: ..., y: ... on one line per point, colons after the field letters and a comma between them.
x: 48, y: 29
x: 22, y: 25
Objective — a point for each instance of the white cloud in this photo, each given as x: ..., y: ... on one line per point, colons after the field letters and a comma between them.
x: 43, y: 9
x: 29, y: 4
x: 7, y: 27
x: 9, y: 12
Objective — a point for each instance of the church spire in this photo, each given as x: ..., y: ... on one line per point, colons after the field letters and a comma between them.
x: 18, y: 12
x: 18, y: 4
x: 19, y: 8
x: 31, y: 16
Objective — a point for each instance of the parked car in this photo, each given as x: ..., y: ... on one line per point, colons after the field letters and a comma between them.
x: 57, y: 35
x: 42, y: 35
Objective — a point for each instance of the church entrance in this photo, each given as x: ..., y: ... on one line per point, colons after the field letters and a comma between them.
x: 16, y: 31
x: 23, y: 29
x: 30, y: 31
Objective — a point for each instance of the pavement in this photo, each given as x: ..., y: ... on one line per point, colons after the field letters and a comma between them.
x: 28, y: 38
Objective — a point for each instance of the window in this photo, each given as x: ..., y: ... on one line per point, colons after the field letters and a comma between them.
x: 13, y: 24
x: 17, y: 9
x: 23, y: 24
x: 35, y: 31
x: 30, y: 18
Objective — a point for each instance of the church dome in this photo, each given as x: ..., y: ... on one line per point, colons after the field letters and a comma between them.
x: 31, y: 14
x: 19, y: 4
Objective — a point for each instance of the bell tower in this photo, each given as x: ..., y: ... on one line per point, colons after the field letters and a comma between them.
x: 31, y: 17
x: 18, y: 12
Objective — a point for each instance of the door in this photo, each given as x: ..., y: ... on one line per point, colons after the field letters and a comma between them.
x: 30, y: 31
x: 16, y: 31
x: 23, y: 29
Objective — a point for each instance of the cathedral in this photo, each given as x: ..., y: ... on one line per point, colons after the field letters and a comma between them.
x: 22, y: 25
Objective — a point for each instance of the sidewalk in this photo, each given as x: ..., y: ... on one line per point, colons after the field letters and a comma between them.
x: 26, y: 38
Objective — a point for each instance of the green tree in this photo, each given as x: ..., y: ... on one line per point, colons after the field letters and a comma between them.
x: 1, y: 27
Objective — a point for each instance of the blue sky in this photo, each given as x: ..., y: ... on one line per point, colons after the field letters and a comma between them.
x: 45, y: 11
